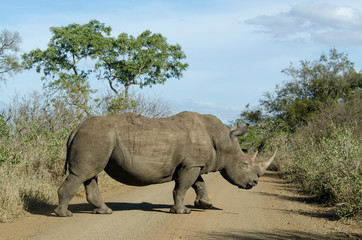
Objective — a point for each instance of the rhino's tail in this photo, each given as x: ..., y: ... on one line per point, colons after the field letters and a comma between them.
x: 69, y: 142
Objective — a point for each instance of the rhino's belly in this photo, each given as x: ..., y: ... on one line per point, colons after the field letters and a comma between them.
x: 139, y: 174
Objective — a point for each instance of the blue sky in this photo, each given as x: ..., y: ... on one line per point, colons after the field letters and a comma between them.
x: 235, y: 49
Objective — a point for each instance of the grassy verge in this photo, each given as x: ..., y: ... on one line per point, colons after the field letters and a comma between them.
x: 324, y: 159
x: 33, y: 135
x: 330, y: 169
x: 32, y: 154
x: 21, y: 191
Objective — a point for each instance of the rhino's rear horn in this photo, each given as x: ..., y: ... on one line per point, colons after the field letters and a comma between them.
x: 254, y: 157
x: 236, y: 131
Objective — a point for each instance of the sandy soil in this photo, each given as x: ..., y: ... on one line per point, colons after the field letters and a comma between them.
x: 271, y: 210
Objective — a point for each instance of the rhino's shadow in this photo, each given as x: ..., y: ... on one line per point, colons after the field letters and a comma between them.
x: 143, y: 206
x: 148, y: 207
x: 48, y: 210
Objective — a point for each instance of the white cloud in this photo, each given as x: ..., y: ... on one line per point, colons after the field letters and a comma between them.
x: 279, y: 25
x: 326, y: 15
x: 318, y: 22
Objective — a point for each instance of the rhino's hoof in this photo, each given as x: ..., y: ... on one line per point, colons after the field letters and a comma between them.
x: 102, y: 210
x: 180, y: 210
x: 63, y: 213
x: 201, y: 204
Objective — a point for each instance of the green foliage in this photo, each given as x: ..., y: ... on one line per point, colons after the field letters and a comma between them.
x: 313, y: 86
x: 119, y: 104
x: 63, y: 62
x: 324, y: 156
x: 315, y: 121
x: 253, y: 140
x: 4, y: 129
x: 330, y: 169
x: 144, y: 61
x: 260, y: 131
x: 34, y: 130
x: 123, y: 61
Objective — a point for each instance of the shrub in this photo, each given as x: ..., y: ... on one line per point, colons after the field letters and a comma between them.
x: 33, y: 135
x: 148, y: 106
x: 324, y: 155
x: 329, y: 168
x: 22, y: 190
x: 33, y: 132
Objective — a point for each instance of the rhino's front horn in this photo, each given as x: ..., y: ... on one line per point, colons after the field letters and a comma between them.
x: 266, y: 164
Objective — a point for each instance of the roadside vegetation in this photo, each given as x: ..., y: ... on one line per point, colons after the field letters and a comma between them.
x: 34, y: 129
x: 314, y: 119
x: 33, y: 135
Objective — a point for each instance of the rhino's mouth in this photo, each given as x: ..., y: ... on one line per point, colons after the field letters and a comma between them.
x: 248, y: 186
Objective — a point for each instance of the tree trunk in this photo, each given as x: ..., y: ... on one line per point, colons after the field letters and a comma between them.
x: 126, y: 96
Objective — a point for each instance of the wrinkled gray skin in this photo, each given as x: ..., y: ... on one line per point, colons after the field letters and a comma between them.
x: 139, y: 151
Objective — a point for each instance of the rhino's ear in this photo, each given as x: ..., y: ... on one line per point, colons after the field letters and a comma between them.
x: 234, y: 128
x: 239, y: 131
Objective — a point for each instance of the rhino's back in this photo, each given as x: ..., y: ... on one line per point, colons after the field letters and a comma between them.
x: 147, y: 151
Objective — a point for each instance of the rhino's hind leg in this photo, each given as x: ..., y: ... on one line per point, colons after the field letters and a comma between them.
x: 66, y: 191
x: 94, y: 196
x: 202, y: 200
x: 184, y: 180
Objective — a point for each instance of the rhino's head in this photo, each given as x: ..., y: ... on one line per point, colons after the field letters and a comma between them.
x: 240, y: 168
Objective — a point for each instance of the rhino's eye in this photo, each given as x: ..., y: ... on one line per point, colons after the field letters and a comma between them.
x: 246, y: 164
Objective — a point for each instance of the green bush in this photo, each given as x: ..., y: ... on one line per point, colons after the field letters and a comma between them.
x: 329, y: 168
x: 315, y: 121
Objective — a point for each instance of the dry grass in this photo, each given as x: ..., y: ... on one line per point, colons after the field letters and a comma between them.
x: 20, y: 190
x: 32, y: 153
x: 33, y: 136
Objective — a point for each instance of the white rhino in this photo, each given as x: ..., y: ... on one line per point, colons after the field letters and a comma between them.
x: 140, y: 151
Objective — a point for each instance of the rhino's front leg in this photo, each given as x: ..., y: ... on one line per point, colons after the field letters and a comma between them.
x: 183, y: 181
x: 202, y: 200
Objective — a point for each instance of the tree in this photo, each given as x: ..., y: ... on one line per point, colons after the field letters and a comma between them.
x: 9, y: 46
x: 314, y: 85
x: 144, y: 61
x: 76, y: 51
x: 63, y: 62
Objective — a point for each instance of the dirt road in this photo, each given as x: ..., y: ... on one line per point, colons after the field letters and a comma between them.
x: 271, y: 210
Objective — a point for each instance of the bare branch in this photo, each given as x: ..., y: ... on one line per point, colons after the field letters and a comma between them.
x: 111, y: 85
